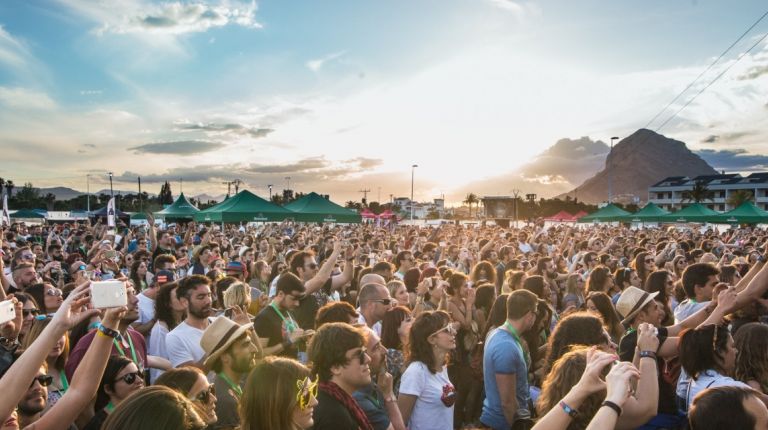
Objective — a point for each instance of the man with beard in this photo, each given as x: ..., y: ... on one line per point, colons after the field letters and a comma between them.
x: 131, y: 343
x: 183, y: 342
x: 505, y: 366
x: 276, y: 323
x: 35, y: 399
x: 24, y: 276
x: 231, y: 353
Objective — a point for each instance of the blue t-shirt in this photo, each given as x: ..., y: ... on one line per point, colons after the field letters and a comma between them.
x: 371, y: 401
x: 502, y: 354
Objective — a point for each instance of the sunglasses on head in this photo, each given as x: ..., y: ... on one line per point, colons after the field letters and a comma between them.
x: 450, y: 329
x: 44, y: 380
x: 27, y: 312
x: 307, y: 389
x: 205, y: 395
x: 130, y: 378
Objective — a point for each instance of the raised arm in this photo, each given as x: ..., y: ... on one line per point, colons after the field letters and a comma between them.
x: 324, y: 273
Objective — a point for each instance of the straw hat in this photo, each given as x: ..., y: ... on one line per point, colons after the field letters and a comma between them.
x: 632, y: 301
x: 219, y: 335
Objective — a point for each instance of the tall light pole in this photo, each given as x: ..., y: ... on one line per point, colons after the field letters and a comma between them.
x: 413, y: 171
x: 111, y: 191
x: 88, y: 192
x: 270, y: 192
x: 515, y: 192
x: 610, y: 171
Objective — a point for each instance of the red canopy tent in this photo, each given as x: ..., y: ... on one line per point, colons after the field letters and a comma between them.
x: 367, y: 214
x: 579, y: 215
x: 561, y: 216
x: 387, y: 214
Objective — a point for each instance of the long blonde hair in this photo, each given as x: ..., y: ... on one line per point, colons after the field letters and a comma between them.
x: 237, y: 294
x: 269, y: 398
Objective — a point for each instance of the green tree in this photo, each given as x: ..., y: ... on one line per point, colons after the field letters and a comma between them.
x: 738, y: 197
x: 699, y: 193
x: 165, y: 197
x: 470, y: 200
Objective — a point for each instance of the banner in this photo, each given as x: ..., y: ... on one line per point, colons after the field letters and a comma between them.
x: 111, y: 213
x: 6, y: 219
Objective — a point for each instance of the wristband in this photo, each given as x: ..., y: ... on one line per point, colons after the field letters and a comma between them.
x: 573, y: 413
x: 613, y: 406
x: 108, y: 332
x: 648, y: 354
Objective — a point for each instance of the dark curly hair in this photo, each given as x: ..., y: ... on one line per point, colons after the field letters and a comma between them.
x: 328, y: 347
x: 419, y: 348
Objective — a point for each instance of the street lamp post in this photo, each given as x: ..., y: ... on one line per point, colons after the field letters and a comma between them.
x: 111, y: 191
x: 610, y: 171
x: 88, y: 192
x: 515, y: 192
x: 413, y: 171
x: 270, y: 192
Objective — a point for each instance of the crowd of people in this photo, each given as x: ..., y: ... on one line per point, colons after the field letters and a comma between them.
x: 288, y: 326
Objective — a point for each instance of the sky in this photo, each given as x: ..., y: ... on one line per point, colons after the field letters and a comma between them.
x: 485, y: 96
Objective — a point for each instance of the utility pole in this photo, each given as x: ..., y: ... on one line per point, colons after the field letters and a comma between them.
x: 237, y: 183
x: 365, y: 192
x: 229, y: 187
x: 88, y: 192
x: 288, y: 182
x: 515, y: 192
x: 270, y: 192
x: 141, y: 204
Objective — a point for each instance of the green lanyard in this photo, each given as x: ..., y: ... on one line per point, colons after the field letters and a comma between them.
x: 130, y: 343
x: 289, y: 324
x: 515, y: 336
x: 64, y: 383
x: 236, y: 388
x: 110, y: 407
x: 629, y: 331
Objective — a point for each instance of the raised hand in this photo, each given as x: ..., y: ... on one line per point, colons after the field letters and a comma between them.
x: 72, y: 310
x: 619, y: 382
x: 597, y: 360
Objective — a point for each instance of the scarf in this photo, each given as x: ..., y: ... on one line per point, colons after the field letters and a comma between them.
x: 348, y: 402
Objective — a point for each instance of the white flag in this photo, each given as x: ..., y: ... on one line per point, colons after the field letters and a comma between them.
x: 111, y: 213
x: 6, y: 219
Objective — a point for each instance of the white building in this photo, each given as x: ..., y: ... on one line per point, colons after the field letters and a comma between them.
x: 420, y: 210
x: 670, y: 192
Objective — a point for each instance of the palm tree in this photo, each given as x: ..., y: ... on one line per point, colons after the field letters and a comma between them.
x: 740, y: 196
x: 9, y: 186
x: 470, y: 200
x: 698, y: 193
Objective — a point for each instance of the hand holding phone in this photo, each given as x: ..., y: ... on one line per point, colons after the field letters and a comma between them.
x: 108, y: 294
x: 7, y: 311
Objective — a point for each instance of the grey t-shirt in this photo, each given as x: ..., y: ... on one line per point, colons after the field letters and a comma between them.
x: 226, y: 405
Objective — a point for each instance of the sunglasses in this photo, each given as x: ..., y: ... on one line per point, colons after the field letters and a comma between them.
x: 27, y: 312
x: 44, y: 380
x: 450, y: 329
x: 307, y: 390
x: 54, y: 292
x: 360, y: 355
x: 385, y: 302
x: 28, y: 256
x: 130, y: 378
x: 205, y: 395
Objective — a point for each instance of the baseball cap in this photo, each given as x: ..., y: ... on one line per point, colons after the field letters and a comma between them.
x: 163, y: 277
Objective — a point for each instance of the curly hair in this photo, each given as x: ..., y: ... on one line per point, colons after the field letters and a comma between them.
x: 565, y: 373
x: 483, y: 266
x: 328, y: 347
x: 752, y: 356
x: 583, y: 328
x: 419, y: 348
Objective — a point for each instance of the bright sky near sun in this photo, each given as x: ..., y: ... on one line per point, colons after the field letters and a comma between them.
x: 346, y: 95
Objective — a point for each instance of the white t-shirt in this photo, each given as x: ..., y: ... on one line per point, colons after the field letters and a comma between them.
x: 433, y: 392
x: 146, y: 309
x: 183, y: 344
x: 157, y: 347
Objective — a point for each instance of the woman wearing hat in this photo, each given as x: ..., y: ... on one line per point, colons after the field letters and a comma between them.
x: 640, y: 307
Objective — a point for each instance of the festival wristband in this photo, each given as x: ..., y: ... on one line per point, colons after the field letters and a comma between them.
x: 613, y: 406
x: 573, y: 413
x: 108, y: 332
x: 648, y: 354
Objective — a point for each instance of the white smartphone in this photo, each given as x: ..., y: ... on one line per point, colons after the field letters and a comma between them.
x: 7, y: 311
x: 108, y: 294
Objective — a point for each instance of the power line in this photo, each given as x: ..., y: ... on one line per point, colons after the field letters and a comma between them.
x: 704, y: 72
x: 713, y: 81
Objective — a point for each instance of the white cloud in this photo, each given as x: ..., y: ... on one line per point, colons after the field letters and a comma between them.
x: 316, y: 65
x: 12, y: 52
x: 508, y: 5
x: 23, y: 98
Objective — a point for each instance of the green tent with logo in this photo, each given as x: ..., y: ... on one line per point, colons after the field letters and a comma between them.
x: 693, y: 213
x: 608, y: 213
x: 27, y: 214
x: 650, y: 213
x: 179, y: 210
x: 316, y: 208
x: 244, y: 207
x: 746, y: 213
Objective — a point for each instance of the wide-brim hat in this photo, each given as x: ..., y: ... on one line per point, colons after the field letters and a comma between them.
x: 219, y: 335
x: 632, y: 301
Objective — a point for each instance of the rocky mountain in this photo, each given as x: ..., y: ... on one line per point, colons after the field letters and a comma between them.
x: 637, y: 162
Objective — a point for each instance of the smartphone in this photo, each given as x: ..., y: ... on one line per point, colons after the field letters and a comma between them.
x: 7, y: 311
x: 108, y: 294
x: 110, y: 254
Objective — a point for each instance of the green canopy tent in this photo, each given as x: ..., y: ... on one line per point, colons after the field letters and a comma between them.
x: 244, y: 207
x: 179, y: 210
x: 608, y: 213
x: 746, y: 213
x: 316, y: 208
x: 650, y: 213
x: 27, y: 214
x: 693, y: 213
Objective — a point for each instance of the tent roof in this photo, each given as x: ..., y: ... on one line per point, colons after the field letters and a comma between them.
x: 746, y: 213
x: 693, y: 213
x: 608, y: 213
x: 244, y: 206
x: 103, y: 213
x: 560, y: 216
x: 181, y: 208
x: 27, y: 213
x: 650, y: 213
x: 316, y: 208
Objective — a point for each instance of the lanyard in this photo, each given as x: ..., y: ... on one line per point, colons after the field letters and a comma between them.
x: 515, y: 336
x: 110, y: 407
x: 235, y: 388
x: 130, y: 343
x: 289, y: 325
x: 64, y: 383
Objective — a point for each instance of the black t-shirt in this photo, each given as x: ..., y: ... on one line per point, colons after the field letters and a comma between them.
x: 329, y: 414
x: 666, y: 390
x: 269, y: 324
x: 309, y: 305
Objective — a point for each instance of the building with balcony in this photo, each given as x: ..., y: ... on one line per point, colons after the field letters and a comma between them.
x: 670, y: 192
